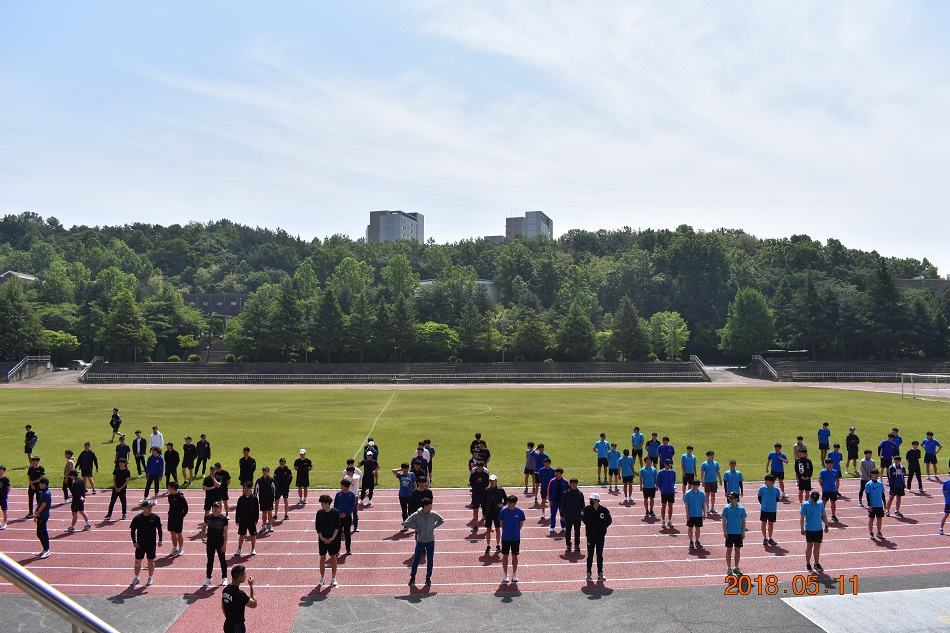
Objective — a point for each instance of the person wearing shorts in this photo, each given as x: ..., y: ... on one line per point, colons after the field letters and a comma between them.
x: 695, y: 502
x: 247, y: 513
x: 626, y: 474
x: 688, y: 467
x: 601, y: 447
x: 512, y: 518
x: 886, y: 451
x: 804, y: 469
x: 653, y: 448
x: 146, y: 529
x: 853, y: 444
x: 177, y: 510
x: 369, y: 474
x: 613, y: 468
x: 931, y: 448
x: 493, y: 500
x: 874, y: 490
x: 189, y: 453
x: 265, y: 489
x: 824, y: 440
x: 545, y: 475
x: 812, y: 517
x: 648, y: 487
x: 896, y: 480
x: 303, y: 466
x: 477, y: 481
x: 78, y: 507
x: 769, y: 496
x: 86, y: 462
x: 946, y: 503
x: 283, y: 477
x: 775, y: 465
x: 712, y: 477
x: 733, y: 528
x: 530, y: 455
x: 828, y: 478
x: 637, y: 440
x: 4, y: 495
x: 328, y: 527
x: 666, y: 482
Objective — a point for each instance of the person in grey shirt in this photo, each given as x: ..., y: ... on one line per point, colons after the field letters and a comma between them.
x: 424, y: 521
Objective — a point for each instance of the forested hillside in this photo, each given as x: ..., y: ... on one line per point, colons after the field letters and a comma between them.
x: 609, y: 295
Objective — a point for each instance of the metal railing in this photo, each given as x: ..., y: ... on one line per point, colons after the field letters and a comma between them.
x: 695, y: 360
x: 186, y: 377
x: 23, y: 363
x: 81, y: 620
x: 85, y: 370
x: 846, y: 375
x: 768, y: 368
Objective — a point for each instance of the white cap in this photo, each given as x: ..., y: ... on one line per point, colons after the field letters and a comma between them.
x: 493, y: 478
x: 303, y: 451
x: 369, y: 453
x: 595, y: 496
x: 371, y: 443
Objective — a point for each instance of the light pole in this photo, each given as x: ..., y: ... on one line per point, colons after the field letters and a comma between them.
x: 135, y: 344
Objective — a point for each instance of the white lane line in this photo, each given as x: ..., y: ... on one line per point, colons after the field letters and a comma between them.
x: 370, y: 433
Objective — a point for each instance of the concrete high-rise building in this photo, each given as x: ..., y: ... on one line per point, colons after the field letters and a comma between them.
x: 533, y: 223
x: 386, y: 226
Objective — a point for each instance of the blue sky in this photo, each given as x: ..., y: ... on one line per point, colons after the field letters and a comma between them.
x: 780, y: 118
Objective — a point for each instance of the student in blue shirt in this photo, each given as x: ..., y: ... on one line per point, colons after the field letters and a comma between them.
x: 824, y: 440
x: 601, y: 447
x: 626, y: 473
x: 775, y: 465
x: 897, y: 438
x: 733, y: 529
x: 712, y: 477
x: 896, y: 480
x: 695, y: 502
x: 648, y: 487
x: 836, y: 456
x: 688, y: 467
x: 407, y: 483
x: 546, y: 474
x: 345, y: 504
x: 538, y: 465
x: 828, y: 478
x: 768, y: 508
x: 666, y: 482
x: 665, y: 451
x: 653, y: 449
x: 874, y: 490
x: 637, y: 439
x: 530, y: 455
x: 812, y: 516
x: 886, y: 451
x: 511, y: 518
x: 931, y: 448
x: 732, y: 480
x: 946, y: 504
x: 613, y: 467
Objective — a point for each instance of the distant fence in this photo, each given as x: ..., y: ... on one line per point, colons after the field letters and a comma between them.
x: 847, y: 376
x: 28, y: 367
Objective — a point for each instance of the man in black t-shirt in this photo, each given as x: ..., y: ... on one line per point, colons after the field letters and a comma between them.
x: 246, y: 514
x: 225, y: 478
x: 212, y: 487
x: 115, y: 422
x: 266, y: 492
x: 122, y: 450
x: 120, y: 481
x: 189, y: 453
x: 329, y: 530
x: 202, y: 454
x: 146, y: 531
x: 283, y: 477
x: 233, y: 601
x: 34, y: 473
x: 247, y: 466
x: 214, y: 534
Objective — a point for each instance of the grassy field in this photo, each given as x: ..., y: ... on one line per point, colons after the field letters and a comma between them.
x: 740, y: 423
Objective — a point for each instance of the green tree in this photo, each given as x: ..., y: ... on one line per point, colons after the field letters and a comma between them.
x: 125, y: 330
x: 250, y: 334
x: 887, y: 313
x: 287, y: 321
x: 350, y: 278
x: 361, y: 325
x: 471, y: 327
x: 669, y: 335
x: 750, y: 325
x: 435, y: 342
x: 398, y: 277
x: 403, y: 326
x: 532, y: 337
x: 629, y: 336
x: 58, y: 344
x: 577, y: 336
x: 329, y: 331
x: 19, y: 326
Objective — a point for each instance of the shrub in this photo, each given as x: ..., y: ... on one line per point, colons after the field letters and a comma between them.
x: 194, y: 358
x: 173, y: 359
x: 230, y: 358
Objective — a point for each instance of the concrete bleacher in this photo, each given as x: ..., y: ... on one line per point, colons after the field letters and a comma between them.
x: 854, y: 371
x: 390, y: 372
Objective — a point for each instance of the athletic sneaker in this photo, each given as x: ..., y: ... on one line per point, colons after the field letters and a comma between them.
x: 728, y: 571
x: 333, y: 582
x: 514, y: 578
x: 123, y: 516
x: 808, y: 567
x: 253, y: 552
x: 550, y: 530
x: 87, y: 527
x: 526, y: 490
x: 148, y: 583
x: 428, y: 581
x: 474, y: 529
x: 699, y: 545
x: 819, y: 568
x: 587, y: 577
x: 323, y: 580
x: 669, y: 524
x: 488, y: 550
x: 542, y: 516
x: 356, y: 529
x: 505, y: 579
x: 29, y: 516
x: 887, y: 513
x: 4, y: 526
x: 371, y: 503
x: 834, y: 518
x: 412, y: 580
x: 871, y: 535
x: 70, y: 529
x: 224, y: 582
x: 44, y: 554
x: 765, y: 542
x: 135, y: 580
x: 898, y: 514
x: 286, y: 517
x: 860, y: 504
x: 735, y: 570
x: 238, y: 553
x: 692, y: 545
x: 206, y: 582
x: 107, y: 517
x: 879, y: 535
x: 601, y: 578
x: 577, y: 549
x: 598, y: 480
x: 498, y: 549
x: 771, y: 542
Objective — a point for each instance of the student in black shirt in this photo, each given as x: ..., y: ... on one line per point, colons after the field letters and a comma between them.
x: 913, y: 465
x: 370, y: 470
x: 328, y: 526
x: 212, y: 487
x: 115, y: 422
x: 122, y: 450
x: 247, y: 466
x: 140, y: 451
x: 303, y: 466
x: 484, y: 454
x: 214, y: 534
x: 177, y: 510
x: 247, y: 513
x: 283, y: 477
x: 86, y: 461
x: 4, y: 493
x: 475, y: 443
x: 203, y: 454
x: 189, y: 453
x: 172, y: 459
x: 233, y: 601
x: 478, y: 481
x: 29, y: 442
x: 34, y: 473
x: 421, y: 492
x: 266, y: 492
x: 78, y: 507
x: 120, y: 482
x: 225, y: 478
x: 146, y: 531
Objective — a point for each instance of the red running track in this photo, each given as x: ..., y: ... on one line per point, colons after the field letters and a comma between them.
x: 638, y: 553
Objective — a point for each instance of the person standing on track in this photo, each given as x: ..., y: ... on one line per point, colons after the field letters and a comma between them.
x: 597, y: 519
x: 572, y: 509
x: 407, y: 483
x: 712, y: 477
x: 853, y: 445
x: 943, y: 522
x: 214, y: 534
x: 812, y: 516
x: 156, y: 439
x: 733, y: 529
x: 931, y: 448
x: 177, y: 511
x: 804, y: 469
x: 172, y: 459
x: 666, y: 451
x: 212, y: 487
x: 78, y: 507
x: 189, y: 453
x: 246, y: 514
x: 477, y: 481
x: 120, y: 483
x: 874, y: 490
x: 896, y: 479
x: 493, y: 501
x: 512, y: 518
x: 345, y: 503
x: 265, y: 489
x: 666, y: 483
x: 556, y: 489
x: 154, y: 470
x: 626, y: 475
x: 4, y: 496
x: 695, y: 502
x: 688, y: 467
x: 233, y: 601
x: 354, y: 475
x: 303, y: 466
x: 33, y: 475
x: 867, y: 465
x: 769, y: 496
x: 115, y: 422
x: 637, y: 441
x: 601, y: 447
x: 798, y: 447
x: 913, y: 466
x: 202, y: 454
x: 613, y: 468
x: 546, y: 475
x: 775, y: 465
x: 327, y: 525
x: 247, y: 466
x: 140, y: 451
x: 648, y: 487
x: 44, y: 499
x: 283, y: 477
x: 530, y: 455
x: 68, y: 468
x: 886, y: 451
x: 369, y: 477
x: 424, y: 523
x: 420, y: 494
x: 538, y: 465
x: 146, y: 529
x: 225, y: 478
x: 86, y: 462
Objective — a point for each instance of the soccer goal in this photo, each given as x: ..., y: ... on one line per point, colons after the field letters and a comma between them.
x: 926, y: 386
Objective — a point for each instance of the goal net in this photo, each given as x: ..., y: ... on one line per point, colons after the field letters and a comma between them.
x: 926, y: 386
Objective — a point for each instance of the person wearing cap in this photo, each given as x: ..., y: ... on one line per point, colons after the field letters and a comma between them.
x: 546, y: 475
x: 265, y: 489
x: 812, y: 516
x: 601, y: 447
x: 177, y: 511
x: 913, y: 466
x: 732, y: 479
x: 422, y: 491
x: 122, y: 451
x: 874, y: 490
x: 931, y: 448
x: 370, y: 467
x: 189, y: 453
x: 33, y: 475
x: 156, y: 439
x: 886, y: 451
x: 29, y: 443
x: 424, y: 523
x: 896, y: 479
x: 120, y: 484
x: 85, y: 463
x: 247, y: 466
x: 512, y: 518
x: 733, y: 529
x: 828, y: 479
x: 613, y: 468
x: 867, y: 465
x: 768, y: 496
x: 407, y: 483
x: 214, y: 534
x: 666, y: 483
x: 140, y: 451
x: 146, y: 529
x: 172, y: 459
x: 852, y: 443
x: 556, y: 489
x: 477, y: 481
x: 597, y: 519
x: 154, y: 469
x: 345, y: 503
x: 78, y: 506
x: 233, y: 600
x: 824, y: 440
x: 572, y: 509
x: 4, y: 495
x: 202, y: 454
x: 44, y: 499
x: 804, y: 469
x: 115, y: 422
x: 695, y: 502
x: 246, y: 515
x: 648, y: 486
x: 327, y: 525
x: 303, y: 466
x: 68, y: 468
x: 775, y: 464
x: 283, y: 478
x: 493, y: 500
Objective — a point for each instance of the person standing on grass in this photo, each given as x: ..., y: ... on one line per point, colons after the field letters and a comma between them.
x: 475, y: 443
x: 733, y: 530
x: 140, y: 451
x: 666, y: 482
x: 732, y: 480
x: 303, y: 466
x: 154, y: 469
x: 212, y: 487
x: 44, y: 499
x: 546, y: 475
x: 265, y: 489
x: 712, y: 477
x: 172, y: 459
x: 214, y: 534
x: 407, y: 483
x: 86, y: 462
x: 886, y: 451
x: 29, y: 443
x: 247, y: 466
x: 189, y: 453
x: 874, y: 490
x: 613, y: 467
x: 345, y: 502
x: 626, y: 475
x: 688, y: 467
x: 896, y: 479
x: 115, y: 422
x: 913, y: 466
x: 283, y: 477
x: 246, y: 514
x: 556, y: 489
x: 120, y: 484
x: 867, y: 465
x: 177, y: 511
x: 653, y: 449
x: 852, y: 443
x: 596, y: 519
x: 477, y: 481
x: 804, y: 469
x: 768, y: 508
x: 931, y: 448
x: 33, y: 475
x: 4, y: 496
x: 233, y: 600
x: 146, y: 529
x: 943, y: 522
x: 824, y: 440
x: 828, y: 479
x: 637, y: 441
x: 68, y: 468
x: 156, y: 439
x: 512, y: 518
x: 202, y: 454
x: 812, y: 516
x: 648, y: 486
x: 798, y: 447
x: 695, y: 502
x: 483, y: 453
x: 78, y: 507
x: 601, y: 447
x: 122, y: 451
x: 424, y: 523
x: 327, y: 525
x: 530, y: 455
x: 370, y: 475
x: 572, y: 509
x: 775, y: 465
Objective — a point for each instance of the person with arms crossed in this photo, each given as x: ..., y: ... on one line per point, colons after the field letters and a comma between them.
x: 214, y: 534
x: 233, y: 600
x: 931, y: 448
x: 327, y: 525
x: 733, y: 530
x: 812, y: 516
x: 424, y: 523
x: 177, y: 511
x: 874, y: 490
x: 769, y: 496
x: 512, y: 518
x: 597, y: 519
x: 712, y: 477
x: 775, y: 465
x: 666, y: 482
x: 695, y: 502
x: 867, y: 465
x: 146, y: 529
